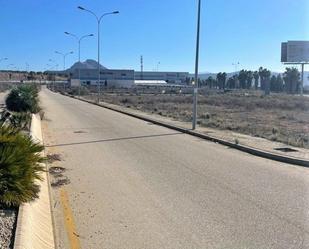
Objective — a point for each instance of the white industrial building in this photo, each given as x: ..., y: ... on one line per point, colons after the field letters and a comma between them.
x: 87, y: 72
x: 108, y: 78
x: 168, y: 77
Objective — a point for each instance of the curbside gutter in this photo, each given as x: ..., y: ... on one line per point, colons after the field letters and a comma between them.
x: 34, y: 228
x: 244, y: 148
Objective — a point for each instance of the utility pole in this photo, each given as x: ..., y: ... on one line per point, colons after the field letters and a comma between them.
x: 195, y: 90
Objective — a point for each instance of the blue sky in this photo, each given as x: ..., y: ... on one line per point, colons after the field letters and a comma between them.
x: 245, y: 31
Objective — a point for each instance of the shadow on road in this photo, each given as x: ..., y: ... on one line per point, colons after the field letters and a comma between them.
x: 112, y: 140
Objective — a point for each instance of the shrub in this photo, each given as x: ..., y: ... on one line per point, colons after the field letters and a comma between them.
x: 18, y: 120
x: 24, y: 98
x: 19, y: 167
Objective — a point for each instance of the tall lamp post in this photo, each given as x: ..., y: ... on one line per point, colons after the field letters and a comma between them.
x: 64, y: 56
x: 236, y: 66
x: 79, y: 39
x: 195, y: 90
x: 99, y: 19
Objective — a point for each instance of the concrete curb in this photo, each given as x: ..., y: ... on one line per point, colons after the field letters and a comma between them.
x: 244, y: 148
x: 34, y: 228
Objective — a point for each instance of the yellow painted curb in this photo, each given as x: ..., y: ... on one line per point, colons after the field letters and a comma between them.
x: 69, y: 220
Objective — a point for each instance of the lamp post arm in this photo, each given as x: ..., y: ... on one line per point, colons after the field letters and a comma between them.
x: 91, y: 12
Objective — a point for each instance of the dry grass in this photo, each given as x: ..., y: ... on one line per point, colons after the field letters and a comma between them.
x: 278, y: 117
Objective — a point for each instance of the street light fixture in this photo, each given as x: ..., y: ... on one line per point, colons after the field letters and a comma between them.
x: 64, y: 56
x: 10, y: 65
x: 3, y: 59
x: 236, y: 66
x: 79, y: 39
x: 98, y: 18
x: 195, y: 90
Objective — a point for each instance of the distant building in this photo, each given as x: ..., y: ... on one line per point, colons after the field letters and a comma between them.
x: 108, y: 78
x: 120, y: 78
x: 168, y: 77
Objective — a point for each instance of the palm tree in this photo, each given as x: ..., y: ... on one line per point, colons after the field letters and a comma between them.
x: 249, y: 79
x: 292, y: 80
x: 265, y: 79
x: 221, y: 79
x: 24, y: 98
x: 20, y: 167
x: 242, y: 76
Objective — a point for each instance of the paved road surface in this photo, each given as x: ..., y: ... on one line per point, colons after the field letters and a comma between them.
x: 134, y: 185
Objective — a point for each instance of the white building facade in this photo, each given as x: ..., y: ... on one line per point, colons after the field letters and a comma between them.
x: 168, y: 77
x: 108, y: 78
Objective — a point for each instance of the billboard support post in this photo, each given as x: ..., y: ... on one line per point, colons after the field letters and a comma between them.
x: 302, y: 79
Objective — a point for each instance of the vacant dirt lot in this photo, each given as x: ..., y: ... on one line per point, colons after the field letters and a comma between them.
x: 279, y: 117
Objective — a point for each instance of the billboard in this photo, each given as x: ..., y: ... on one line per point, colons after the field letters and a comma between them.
x: 295, y: 51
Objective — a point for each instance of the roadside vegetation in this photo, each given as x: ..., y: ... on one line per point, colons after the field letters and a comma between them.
x: 19, y: 156
x: 278, y: 117
x: 23, y: 98
x: 262, y: 79
x: 19, y: 167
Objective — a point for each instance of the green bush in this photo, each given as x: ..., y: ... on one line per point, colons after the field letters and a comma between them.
x: 18, y: 120
x: 24, y: 98
x: 20, y: 167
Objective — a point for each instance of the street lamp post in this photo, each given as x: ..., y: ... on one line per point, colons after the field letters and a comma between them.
x: 236, y: 66
x: 56, y: 68
x: 27, y: 66
x: 158, y: 64
x: 64, y: 56
x: 79, y: 39
x: 98, y: 22
x: 195, y: 90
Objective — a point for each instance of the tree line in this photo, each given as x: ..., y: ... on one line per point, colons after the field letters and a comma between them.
x: 262, y: 79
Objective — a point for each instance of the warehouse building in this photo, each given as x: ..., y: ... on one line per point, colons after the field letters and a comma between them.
x: 108, y: 78
x: 168, y: 77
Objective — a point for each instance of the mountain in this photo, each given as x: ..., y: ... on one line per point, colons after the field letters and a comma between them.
x: 88, y: 64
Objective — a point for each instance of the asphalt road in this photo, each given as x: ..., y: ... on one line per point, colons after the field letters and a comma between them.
x: 134, y: 185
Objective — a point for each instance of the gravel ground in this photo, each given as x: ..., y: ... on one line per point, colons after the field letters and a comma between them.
x: 7, y: 225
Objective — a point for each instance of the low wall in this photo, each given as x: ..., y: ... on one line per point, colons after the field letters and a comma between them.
x: 34, y: 223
